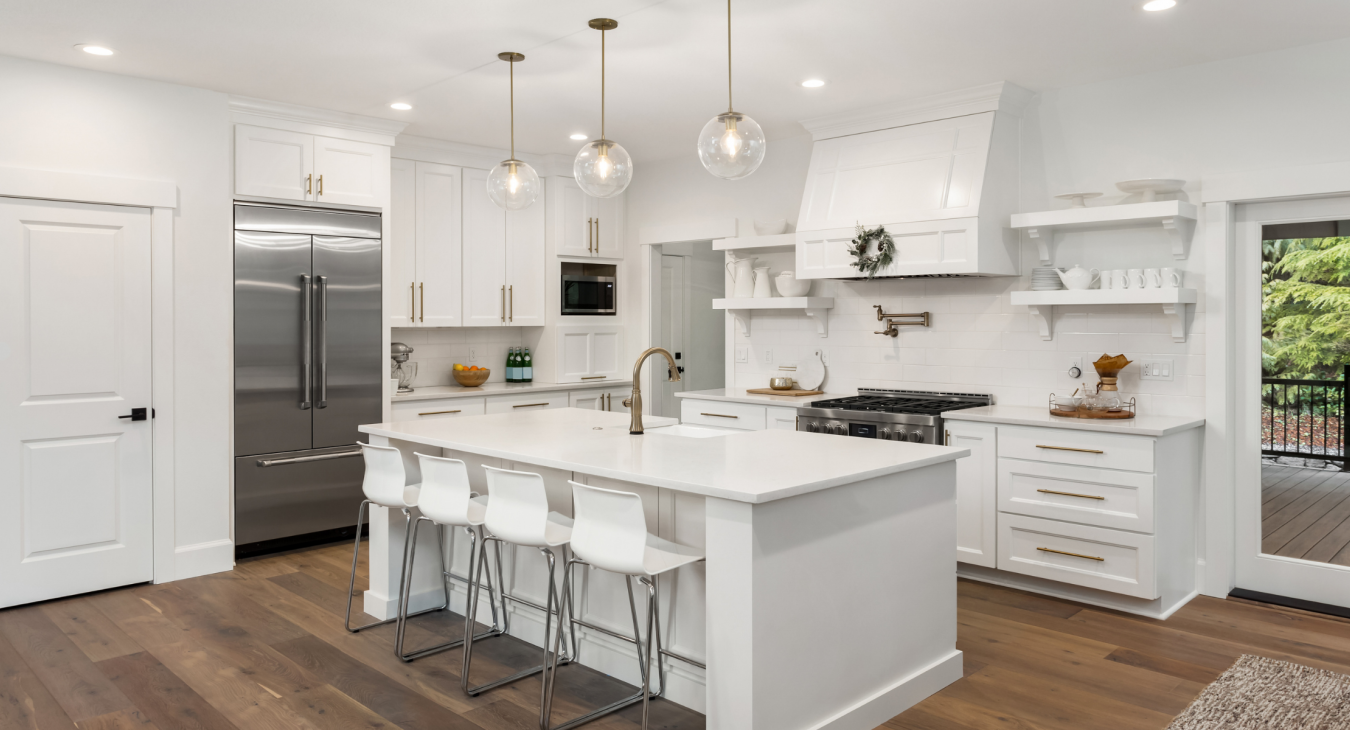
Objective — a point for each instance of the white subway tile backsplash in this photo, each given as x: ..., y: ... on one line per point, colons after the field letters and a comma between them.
x: 437, y: 349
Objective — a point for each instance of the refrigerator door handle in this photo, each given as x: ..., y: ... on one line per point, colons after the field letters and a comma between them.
x: 306, y: 343
x: 321, y: 296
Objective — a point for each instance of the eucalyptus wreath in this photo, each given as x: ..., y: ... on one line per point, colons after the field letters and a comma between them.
x: 870, y: 264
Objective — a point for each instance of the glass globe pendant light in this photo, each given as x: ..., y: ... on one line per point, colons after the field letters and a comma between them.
x: 513, y: 184
x: 603, y: 168
x: 731, y: 145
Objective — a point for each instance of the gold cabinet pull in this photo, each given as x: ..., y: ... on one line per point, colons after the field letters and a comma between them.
x: 948, y: 440
x: 1072, y: 555
x: 309, y: 184
x: 1070, y: 494
x: 718, y: 415
x: 437, y: 413
x: 529, y: 405
x: 595, y: 377
x: 503, y: 303
x: 422, y: 290
x: 1070, y: 448
x: 321, y: 185
x: 590, y: 238
x: 412, y: 303
x: 597, y: 235
x: 609, y: 402
x: 511, y: 294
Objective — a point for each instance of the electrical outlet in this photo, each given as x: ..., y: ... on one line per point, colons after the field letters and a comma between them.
x: 473, y: 355
x: 742, y: 353
x: 768, y: 356
x: 1157, y: 370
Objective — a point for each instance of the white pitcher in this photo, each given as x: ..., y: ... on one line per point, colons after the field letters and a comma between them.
x: 743, y: 277
x: 762, y: 290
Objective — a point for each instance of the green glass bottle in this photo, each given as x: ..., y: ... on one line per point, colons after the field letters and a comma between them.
x: 527, y: 367
x: 511, y: 365
x: 515, y: 364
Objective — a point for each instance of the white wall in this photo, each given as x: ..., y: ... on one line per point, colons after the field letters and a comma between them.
x: 73, y: 120
x: 1269, y: 110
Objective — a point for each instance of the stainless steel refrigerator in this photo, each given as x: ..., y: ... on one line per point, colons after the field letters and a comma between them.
x: 308, y: 370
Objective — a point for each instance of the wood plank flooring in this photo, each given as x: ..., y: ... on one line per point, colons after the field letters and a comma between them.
x: 263, y: 648
x: 1305, y: 513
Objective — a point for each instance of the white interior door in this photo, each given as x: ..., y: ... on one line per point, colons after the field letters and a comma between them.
x: 673, y: 305
x: 1257, y: 568
x: 74, y: 358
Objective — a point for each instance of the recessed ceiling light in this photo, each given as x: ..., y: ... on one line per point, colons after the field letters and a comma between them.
x: 400, y: 106
x: 579, y: 136
x: 96, y: 50
x: 1156, y: 5
x: 813, y: 83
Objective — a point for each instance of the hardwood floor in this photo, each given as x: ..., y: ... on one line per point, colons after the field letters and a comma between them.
x: 1305, y: 513
x: 263, y: 647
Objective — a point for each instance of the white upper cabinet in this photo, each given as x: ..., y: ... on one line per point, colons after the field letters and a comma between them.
x: 587, y: 353
x: 583, y: 225
x: 426, y: 277
x: 275, y: 163
x: 504, y: 268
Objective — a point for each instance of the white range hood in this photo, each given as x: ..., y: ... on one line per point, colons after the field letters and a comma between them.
x: 941, y: 174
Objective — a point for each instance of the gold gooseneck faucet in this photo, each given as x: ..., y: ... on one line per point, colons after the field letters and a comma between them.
x: 634, y: 402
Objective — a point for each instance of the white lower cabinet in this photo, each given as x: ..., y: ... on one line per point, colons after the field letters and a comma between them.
x: 780, y: 418
x: 976, y: 491
x: 425, y: 410
x: 1093, y: 557
x: 599, y: 399
x: 520, y: 402
x: 723, y: 414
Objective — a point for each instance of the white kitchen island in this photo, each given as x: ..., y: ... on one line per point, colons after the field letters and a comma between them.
x: 828, y: 598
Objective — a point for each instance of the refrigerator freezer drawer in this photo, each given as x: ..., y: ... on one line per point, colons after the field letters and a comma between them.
x: 289, y: 497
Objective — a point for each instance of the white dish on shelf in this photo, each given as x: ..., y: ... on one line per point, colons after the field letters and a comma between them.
x: 1078, y: 200
x: 1151, y: 188
x: 770, y: 228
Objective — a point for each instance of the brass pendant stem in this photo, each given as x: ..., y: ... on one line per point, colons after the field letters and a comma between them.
x: 602, y: 84
x: 513, y: 110
x: 730, y: 106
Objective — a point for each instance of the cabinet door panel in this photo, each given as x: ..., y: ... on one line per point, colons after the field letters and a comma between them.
x: 272, y: 163
x: 353, y: 173
x: 607, y: 352
x: 402, y: 281
x: 592, y: 400
x: 608, y: 227
x: 484, y: 254
x: 439, y: 268
x: 976, y: 492
x: 571, y: 219
x: 525, y: 266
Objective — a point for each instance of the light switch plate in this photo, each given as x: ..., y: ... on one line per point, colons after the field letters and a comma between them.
x: 768, y: 356
x: 742, y: 353
x: 1157, y: 369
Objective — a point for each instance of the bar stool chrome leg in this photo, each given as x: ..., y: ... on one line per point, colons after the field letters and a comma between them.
x: 356, y: 555
x: 406, y: 596
x: 554, y: 605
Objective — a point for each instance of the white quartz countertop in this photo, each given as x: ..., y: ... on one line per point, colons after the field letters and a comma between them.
x: 1039, y: 416
x: 744, y: 466
x: 436, y: 392
x: 738, y: 395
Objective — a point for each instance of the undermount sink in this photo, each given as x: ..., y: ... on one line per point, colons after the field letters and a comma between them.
x: 681, y: 429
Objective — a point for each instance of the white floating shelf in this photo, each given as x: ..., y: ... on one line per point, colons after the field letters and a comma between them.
x: 767, y: 244
x: 813, y: 307
x: 1176, y: 217
x: 1175, y: 304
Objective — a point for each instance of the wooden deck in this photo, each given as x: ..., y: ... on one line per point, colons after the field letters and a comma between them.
x: 1305, y: 513
x: 263, y: 648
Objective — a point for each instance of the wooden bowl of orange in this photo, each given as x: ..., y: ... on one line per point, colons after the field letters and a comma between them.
x: 471, y: 377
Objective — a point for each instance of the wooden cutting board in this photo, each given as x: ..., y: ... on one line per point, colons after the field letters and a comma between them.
x: 794, y: 392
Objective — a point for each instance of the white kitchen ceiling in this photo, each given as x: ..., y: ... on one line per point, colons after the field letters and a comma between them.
x: 667, y: 60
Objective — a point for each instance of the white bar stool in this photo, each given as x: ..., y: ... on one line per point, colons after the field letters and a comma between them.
x: 446, y: 499
x: 610, y: 533
x: 386, y: 484
x: 518, y: 514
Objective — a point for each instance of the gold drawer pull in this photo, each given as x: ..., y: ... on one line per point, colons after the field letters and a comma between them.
x: 436, y: 413
x: 718, y: 415
x: 1072, y: 555
x: 1070, y: 448
x: 1070, y: 494
x: 529, y: 405
x: 596, y: 377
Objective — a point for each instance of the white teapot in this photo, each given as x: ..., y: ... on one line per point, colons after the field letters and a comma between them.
x: 1078, y: 277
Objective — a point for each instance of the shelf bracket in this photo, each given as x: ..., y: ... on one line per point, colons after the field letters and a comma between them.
x: 1179, y: 231
x: 742, y: 319
x: 1177, y: 314
x: 1042, y: 238
x: 821, y: 317
x: 1043, y: 316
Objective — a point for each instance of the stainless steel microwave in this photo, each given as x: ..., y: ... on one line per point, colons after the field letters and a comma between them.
x: 588, y: 295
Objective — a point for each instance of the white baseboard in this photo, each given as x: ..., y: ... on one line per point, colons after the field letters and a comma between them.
x: 908, y: 692
x: 204, y: 558
x: 1079, y: 594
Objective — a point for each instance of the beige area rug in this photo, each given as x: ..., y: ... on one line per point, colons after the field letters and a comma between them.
x: 1266, y: 694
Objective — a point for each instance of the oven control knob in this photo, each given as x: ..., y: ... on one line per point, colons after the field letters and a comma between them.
x: 916, y: 437
x: 813, y: 427
x: 837, y: 429
x: 886, y: 434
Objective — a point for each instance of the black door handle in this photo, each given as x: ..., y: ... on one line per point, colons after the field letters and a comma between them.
x: 137, y: 414
x: 679, y: 368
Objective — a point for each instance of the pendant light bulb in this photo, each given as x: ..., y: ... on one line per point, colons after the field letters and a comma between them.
x: 731, y: 145
x: 603, y: 168
x: 513, y: 184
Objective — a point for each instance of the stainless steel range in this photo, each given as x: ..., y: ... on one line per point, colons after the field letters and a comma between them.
x: 894, y: 415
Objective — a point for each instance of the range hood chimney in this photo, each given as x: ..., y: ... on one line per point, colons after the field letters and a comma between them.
x: 940, y: 173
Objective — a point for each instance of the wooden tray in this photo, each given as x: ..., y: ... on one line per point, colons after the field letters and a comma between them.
x: 793, y: 393
x: 1102, y: 415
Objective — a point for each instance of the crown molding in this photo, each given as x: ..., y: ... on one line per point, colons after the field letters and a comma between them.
x: 1000, y: 96
x: 310, y: 119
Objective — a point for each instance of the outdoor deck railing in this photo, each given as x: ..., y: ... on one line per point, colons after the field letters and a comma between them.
x: 1305, y: 418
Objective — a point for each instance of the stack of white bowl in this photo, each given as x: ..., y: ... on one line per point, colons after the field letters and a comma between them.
x: 1044, y: 278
